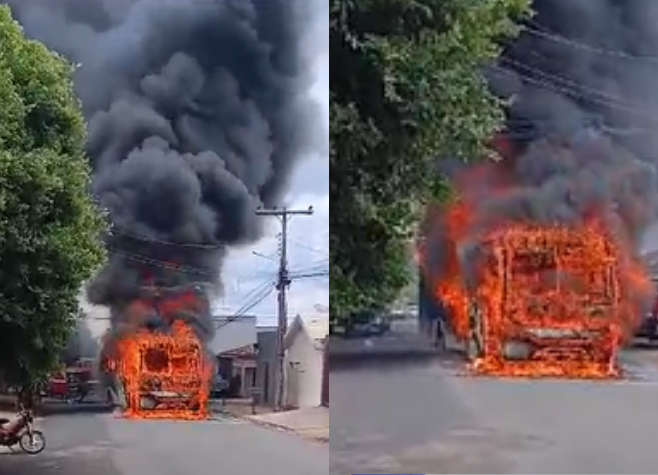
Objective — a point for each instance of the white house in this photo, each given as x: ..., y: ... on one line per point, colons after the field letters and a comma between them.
x: 304, y: 362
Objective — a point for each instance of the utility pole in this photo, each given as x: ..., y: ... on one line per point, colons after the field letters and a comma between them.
x: 283, y: 281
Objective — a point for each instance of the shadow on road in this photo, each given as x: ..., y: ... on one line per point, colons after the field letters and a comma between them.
x: 391, y: 348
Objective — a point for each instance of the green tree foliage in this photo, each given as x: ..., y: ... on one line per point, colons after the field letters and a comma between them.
x: 49, y: 226
x: 406, y: 88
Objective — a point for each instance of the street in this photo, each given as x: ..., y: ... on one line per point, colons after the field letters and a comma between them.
x: 430, y: 417
x: 82, y: 444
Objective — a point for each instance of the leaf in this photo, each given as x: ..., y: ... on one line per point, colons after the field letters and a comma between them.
x: 49, y: 226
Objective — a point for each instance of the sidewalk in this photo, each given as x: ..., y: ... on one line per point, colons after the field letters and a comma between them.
x: 238, y: 407
x: 311, y: 423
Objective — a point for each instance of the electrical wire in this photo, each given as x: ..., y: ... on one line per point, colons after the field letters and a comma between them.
x: 600, y: 95
x: 542, y: 32
x: 115, y: 230
x: 310, y: 248
x: 254, y: 294
x: 312, y: 265
x: 247, y: 307
x: 565, y: 90
x: 306, y: 270
x: 311, y: 275
x: 160, y: 263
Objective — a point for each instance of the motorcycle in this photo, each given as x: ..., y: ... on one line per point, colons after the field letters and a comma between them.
x: 20, y: 431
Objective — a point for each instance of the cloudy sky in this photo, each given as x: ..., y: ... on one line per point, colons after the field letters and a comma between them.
x: 246, y: 274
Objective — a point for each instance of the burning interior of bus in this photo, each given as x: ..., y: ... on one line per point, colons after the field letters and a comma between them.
x: 547, y: 303
x: 163, y: 375
x: 158, y: 366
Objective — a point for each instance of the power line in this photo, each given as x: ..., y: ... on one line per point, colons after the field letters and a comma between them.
x: 311, y: 275
x: 115, y: 230
x: 309, y: 248
x: 568, y: 83
x: 575, y: 93
x: 267, y: 291
x: 542, y: 32
x: 313, y: 266
x: 308, y: 271
x: 161, y: 264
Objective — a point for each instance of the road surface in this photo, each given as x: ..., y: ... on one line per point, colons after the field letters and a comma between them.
x: 431, y: 418
x: 101, y: 444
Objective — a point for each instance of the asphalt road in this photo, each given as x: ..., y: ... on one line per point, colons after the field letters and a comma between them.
x: 429, y: 417
x: 105, y: 445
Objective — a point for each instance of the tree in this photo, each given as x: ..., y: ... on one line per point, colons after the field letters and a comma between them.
x: 49, y: 226
x: 406, y: 88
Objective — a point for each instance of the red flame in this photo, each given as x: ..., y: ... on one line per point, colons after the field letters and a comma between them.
x: 163, y: 375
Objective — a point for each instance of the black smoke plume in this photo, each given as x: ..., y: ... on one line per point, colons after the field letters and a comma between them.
x: 581, y: 124
x: 197, y: 112
x: 583, y: 110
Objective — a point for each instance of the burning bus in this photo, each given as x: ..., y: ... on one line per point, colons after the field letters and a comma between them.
x: 535, y: 259
x: 157, y: 366
x: 546, y: 302
x: 163, y: 375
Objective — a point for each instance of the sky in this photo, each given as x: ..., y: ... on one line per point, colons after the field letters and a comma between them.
x: 246, y: 273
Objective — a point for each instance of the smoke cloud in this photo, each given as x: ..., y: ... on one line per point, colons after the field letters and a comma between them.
x: 197, y: 112
x: 580, y: 137
x: 584, y: 108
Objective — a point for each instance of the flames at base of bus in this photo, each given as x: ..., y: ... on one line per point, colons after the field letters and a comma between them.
x: 541, y: 301
x: 163, y: 375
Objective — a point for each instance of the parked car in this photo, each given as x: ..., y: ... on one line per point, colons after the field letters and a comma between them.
x: 648, y: 328
x: 220, y: 386
x: 362, y: 325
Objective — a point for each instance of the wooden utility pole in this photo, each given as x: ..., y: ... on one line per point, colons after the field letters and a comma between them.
x: 283, y: 281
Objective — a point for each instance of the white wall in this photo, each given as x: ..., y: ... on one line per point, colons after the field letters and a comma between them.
x: 308, y: 361
x: 234, y: 334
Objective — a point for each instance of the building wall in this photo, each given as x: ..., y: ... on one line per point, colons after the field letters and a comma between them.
x: 266, y: 364
x: 304, y: 364
x: 246, y: 369
x: 233, y: 333
x: 325, y: 379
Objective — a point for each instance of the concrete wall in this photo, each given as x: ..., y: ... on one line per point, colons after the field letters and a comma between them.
x: 233, y: 333
x: 304, y: 365
x: 266, y: 364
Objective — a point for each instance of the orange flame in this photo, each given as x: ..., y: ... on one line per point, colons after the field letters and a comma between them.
x: 548, y: 301
x: 169, y: 371
x: 555, y: 293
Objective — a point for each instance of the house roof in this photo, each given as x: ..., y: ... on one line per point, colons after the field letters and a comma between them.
x: 246, y: 351
x: 315, y: 326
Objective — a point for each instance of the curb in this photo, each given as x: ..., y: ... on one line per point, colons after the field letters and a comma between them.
x: 283, y: 428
